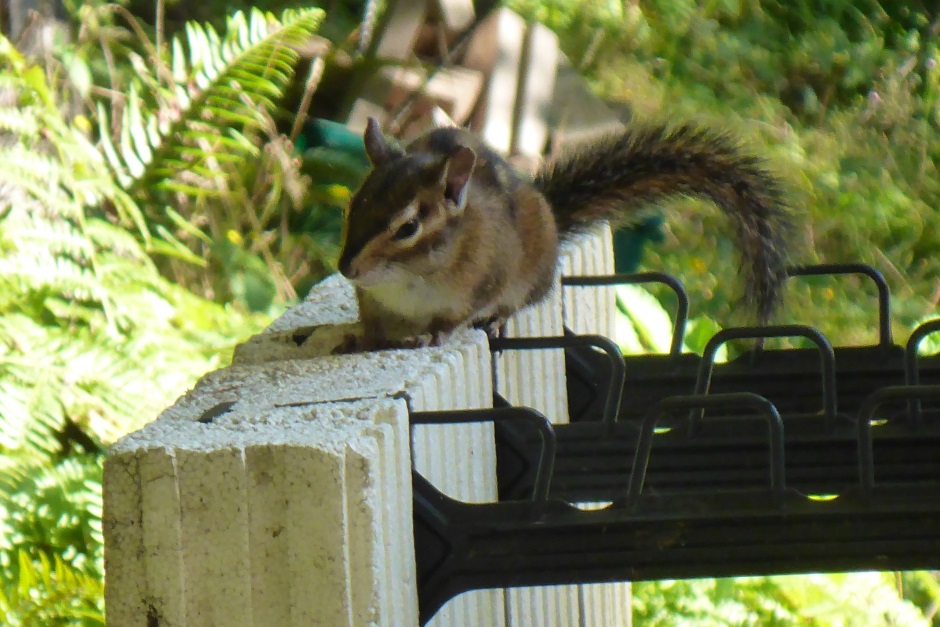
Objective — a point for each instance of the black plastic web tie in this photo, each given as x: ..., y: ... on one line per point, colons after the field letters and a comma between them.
x: 682, y: 298
x: 884, y: 298
x: 618, y: 368
x: 764, y: 409
x: 546, y: 463
x: 911, y: 372
x: 866, y: 414
x: 827, y: 360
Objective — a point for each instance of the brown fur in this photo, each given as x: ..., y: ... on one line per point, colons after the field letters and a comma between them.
x: 617, y: 177
x: 486, y: 240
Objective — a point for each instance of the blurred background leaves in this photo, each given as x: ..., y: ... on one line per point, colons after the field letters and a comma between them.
x: 168, y: 183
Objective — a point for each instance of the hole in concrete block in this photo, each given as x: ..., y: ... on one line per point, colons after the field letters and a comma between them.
x: 219, y: 410
x: 299, y: 337
x: 153, y: 616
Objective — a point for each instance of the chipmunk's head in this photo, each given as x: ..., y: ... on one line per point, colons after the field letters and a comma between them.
x: 401, y: 222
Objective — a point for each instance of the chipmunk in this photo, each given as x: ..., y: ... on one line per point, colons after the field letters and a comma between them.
x: 444, y: 233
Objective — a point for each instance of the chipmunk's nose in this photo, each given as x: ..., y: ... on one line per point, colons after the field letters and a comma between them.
x: 347, y: 268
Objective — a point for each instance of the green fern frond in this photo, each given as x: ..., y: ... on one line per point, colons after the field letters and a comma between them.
x: 106, y: 236
x: 40, y: 174
x: 31, y: 490
x: 27, y: 420
x: 219, y: 85
x: 50, y: 592
x: 14, y: 120
x: 59, y: 237
x: 94, y: 342
x: 54, y: 274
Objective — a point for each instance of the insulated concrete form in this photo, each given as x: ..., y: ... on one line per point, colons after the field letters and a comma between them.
x: 278, y: 490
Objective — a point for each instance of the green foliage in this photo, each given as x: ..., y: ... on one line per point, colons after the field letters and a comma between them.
x: 343, y: 15
x: 50, y: 592
x: 94, y: 340
x: 842, y: 99
x: 712, y: 602
x: 922, y: 589
x: 847, y: 118
x: 863, y: 599
x: 643, y: 325
x: 191, y: 137
x: 82, y: 308
x: 55, y: 508
x: 210, y: 102
x: 93, y: 343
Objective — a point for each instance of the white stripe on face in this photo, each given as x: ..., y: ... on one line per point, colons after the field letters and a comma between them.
x: 406, y: 215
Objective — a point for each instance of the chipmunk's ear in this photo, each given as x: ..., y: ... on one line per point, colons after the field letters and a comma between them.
x: 457, y: 174
x: 379, y: 148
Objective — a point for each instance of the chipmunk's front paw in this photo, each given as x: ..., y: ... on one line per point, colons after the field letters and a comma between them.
x: 494, y: 327
x: 417, y: 341
x: 353, y: 343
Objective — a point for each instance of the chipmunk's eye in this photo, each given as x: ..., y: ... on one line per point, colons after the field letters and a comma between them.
x: 407, y: 230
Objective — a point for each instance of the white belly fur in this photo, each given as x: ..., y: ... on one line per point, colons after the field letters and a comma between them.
x: 416, y: 299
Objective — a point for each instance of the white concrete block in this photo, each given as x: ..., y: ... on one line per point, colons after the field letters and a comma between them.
x: 536, y: 378
x: 399, y: 577
x: 212, y: 491
x: 402, y: 605
x: 538, y: 381
x: 366, y: 535
x: 477, y: 607
x: 336, y: 377
x: 593, y: 310
x: 318, y: 529
x: 607, y: 605
x: 279, y: 438
x: 126, y: 591
x: 590, y: 309
x: 480, y: 387
x: 268, y: 541
x: 331, y: 301
x: 163, y: 534
x: 286, y: 527
x: 312, y: 333
x: 278, y: 491
x: 548, y: 606
x: 459, y: 460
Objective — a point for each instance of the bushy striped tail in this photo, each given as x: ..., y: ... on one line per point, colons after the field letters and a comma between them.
x: 618, y: 177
